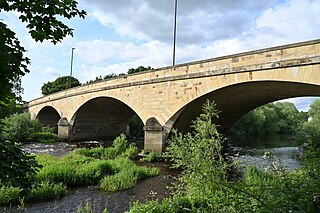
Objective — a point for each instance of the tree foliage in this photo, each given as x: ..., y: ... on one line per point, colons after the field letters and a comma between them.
x: 13, y: 64
x: 61, y: 83
x: 139, y: 69
x: 272, y: 118
x: 43, y: 20
x: 17, y: 168
x: 43, y: 17
x: 20, y: 128
x: 113, y: 75
x: 310, y: 129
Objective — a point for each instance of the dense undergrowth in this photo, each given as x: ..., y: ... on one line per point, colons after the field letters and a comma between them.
x: 204, y: 184
x: 108, y: 168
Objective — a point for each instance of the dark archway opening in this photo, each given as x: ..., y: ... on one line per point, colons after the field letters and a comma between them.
x: 101, y: 118
x: 237, y: 100
x: 48, y: 116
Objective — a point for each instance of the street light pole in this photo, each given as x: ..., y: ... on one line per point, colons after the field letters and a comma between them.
x: 174, y: 32
x: 71, y: 64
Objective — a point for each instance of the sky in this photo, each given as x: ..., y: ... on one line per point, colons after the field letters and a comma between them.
x: 122, y: 34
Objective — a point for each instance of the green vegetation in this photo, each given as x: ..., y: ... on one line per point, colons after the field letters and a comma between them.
x: 112, y: 75
x: 109, y: 168
x: 88, y: 209
x: 127, y: 174
x: 61, y: 83
x: 120, y: 147
x: 17, y: 168
x: 21, y: 128
x: 153, y: 157
x: 45, y: 25
x: 72, y: 170
x: 272, y: 118
x: 205, y: 184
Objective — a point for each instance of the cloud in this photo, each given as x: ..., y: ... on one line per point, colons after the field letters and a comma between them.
x: 199, y: 22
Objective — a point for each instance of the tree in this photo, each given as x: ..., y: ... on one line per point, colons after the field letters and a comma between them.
x: 139, y: 69
x: 61, y: 83
x: 310, y: 129
x: 43, y: 20
x: 272, y: 118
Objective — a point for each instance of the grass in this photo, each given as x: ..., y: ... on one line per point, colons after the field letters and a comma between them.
x: 119, y: 148
x: 9, y: 195
x: 45, y: 137
x: 127, y: 174
x: 47, y: 191
x: 72, y: 170
x: 110, y: 168
x: 153, y: 157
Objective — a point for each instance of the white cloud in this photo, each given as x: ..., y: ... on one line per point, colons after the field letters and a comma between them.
x: 198, y: 22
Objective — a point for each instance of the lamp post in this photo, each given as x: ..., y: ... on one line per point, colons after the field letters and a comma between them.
x: 174, y: 32
x: 71, y: 64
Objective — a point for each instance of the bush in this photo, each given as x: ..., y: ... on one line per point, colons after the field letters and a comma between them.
x: 47, y: 191
x: 153, y: 157
x: 9, y: 195
x: 120, y: 147
x: 45, y: 137
x: 126, y: 175
x: 17, y: 168
x: 20, y: 127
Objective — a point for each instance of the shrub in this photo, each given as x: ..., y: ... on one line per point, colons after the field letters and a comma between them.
x: 47, y: 191
x: 153, y: 157
x: 20, y: 127
x: 45, y: 137
x: 9, y: 195
x: 17, y: 168
x: 131, y: 152
x: 126, y: 175
x: 120, y: 147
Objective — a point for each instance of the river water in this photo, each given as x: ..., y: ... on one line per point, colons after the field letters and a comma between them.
x: 247, y: 150
x: 273, y: 152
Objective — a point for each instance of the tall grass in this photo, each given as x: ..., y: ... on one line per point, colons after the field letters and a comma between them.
x: 127, y: 174
x: 119, y: 148
x: 72, y: 170
x: 9, y: 195
x: 47, y: 191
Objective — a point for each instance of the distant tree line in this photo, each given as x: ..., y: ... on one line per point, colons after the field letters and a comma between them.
x: 272, y: 118
x: 66, y: 82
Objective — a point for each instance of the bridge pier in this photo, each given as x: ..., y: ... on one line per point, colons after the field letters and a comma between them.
x: 63, y: 128
x: 154, y: 137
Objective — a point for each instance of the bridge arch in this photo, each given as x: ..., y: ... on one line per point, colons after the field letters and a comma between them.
x: 100, y: 118
x: 234, y: 101
x: 49, y: 116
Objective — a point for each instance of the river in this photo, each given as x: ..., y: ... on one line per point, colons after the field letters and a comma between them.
x: 248, y: 150
x: 269, y: 152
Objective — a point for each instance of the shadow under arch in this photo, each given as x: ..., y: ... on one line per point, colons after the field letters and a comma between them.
x: 100, y: 118
x: 236, y: 100
x: 49, y: 116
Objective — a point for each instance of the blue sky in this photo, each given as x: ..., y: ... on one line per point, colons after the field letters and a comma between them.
x: 117, y: 35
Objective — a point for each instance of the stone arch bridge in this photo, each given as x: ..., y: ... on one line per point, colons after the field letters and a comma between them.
x: 171, y: 97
